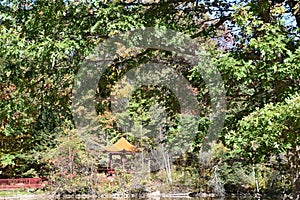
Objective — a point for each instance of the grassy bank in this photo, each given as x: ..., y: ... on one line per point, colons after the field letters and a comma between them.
x: 6, y: 193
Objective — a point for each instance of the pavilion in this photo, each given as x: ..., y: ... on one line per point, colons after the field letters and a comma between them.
x: 122, y: 147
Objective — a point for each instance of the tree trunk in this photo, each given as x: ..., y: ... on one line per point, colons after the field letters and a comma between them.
x: 294, y: 159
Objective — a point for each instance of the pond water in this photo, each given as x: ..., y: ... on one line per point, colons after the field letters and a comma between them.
x: 160, y: 198
x: 45, y: 197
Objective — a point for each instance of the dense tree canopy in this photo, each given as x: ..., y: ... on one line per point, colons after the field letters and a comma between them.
x: 254, y: 44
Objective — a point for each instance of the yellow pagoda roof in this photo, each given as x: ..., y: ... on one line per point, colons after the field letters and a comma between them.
x: 121, y: 145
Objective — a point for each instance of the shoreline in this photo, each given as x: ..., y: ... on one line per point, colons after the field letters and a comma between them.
x: 152, y: 195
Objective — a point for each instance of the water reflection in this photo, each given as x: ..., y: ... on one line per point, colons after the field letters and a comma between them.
x: 191, y: 198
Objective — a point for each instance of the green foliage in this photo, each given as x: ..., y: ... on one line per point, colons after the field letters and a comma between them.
x: 268, y: 131
x: 253, y: 44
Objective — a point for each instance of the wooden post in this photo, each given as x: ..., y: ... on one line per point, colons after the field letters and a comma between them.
x: 110, y: 161
x: 123, y: 158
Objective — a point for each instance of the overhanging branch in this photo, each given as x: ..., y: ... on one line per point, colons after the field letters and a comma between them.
x: 212, y: 27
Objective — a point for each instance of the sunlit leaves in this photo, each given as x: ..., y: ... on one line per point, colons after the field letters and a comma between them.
x: 273, y: 130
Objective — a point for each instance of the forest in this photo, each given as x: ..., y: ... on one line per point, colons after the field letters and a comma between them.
x: 207, y: 91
